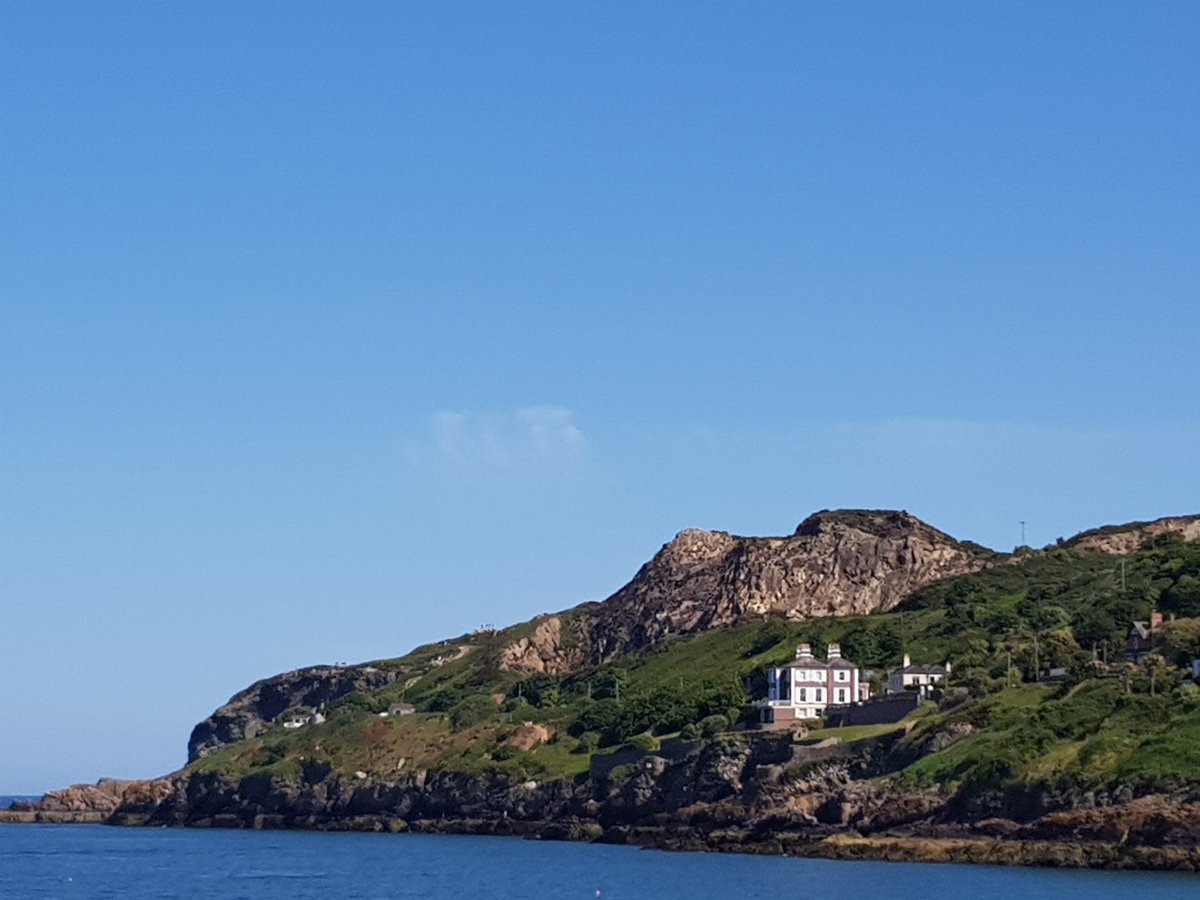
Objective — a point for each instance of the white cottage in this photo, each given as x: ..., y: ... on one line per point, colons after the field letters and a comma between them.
x: 919, y: 678
x: 806, y: 686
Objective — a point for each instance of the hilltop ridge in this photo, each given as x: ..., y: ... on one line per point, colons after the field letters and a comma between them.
x: 837, y: 562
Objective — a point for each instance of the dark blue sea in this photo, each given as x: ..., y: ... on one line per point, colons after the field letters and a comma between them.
x: 85, y: 861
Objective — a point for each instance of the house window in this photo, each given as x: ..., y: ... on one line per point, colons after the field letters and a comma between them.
x: 841, y: 695
x: 842, y: 675
x: 818, y: 694
x: 803, y: 693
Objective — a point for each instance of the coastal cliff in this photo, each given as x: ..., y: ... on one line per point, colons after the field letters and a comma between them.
x: 633, y: 720
x: 759, y: 794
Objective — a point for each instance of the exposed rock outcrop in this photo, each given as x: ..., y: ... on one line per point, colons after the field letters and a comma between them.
x: 845, y: 562
x: 88, y: 802
x: 529, y: 736
x: 554, y: 648
x: 1121, y: 540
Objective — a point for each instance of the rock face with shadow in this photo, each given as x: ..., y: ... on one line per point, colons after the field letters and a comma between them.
x: 837, y: 563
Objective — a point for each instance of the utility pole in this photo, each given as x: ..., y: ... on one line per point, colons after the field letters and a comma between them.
x: 1022, y: 532
x: 1122, y: 576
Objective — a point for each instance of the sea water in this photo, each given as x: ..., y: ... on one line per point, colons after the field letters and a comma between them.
x: 95, y: 861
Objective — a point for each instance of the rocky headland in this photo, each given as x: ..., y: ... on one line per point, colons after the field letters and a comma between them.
x: 917, y: 790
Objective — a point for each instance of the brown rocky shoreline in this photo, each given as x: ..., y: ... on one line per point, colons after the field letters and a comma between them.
x: 764, y: 797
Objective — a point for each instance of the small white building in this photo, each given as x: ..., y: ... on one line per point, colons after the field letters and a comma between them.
x: 806, y: 686
x: 921, y: 679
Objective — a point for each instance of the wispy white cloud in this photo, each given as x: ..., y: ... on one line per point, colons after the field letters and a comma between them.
x: 527, y: 440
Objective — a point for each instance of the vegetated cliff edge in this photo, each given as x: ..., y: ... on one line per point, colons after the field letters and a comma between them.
x: 253, y: 710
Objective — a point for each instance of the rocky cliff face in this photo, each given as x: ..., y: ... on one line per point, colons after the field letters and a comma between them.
x: 554, y: 648
x: 761, y: 794
x: 253, y: 710
x: 88, y: 802
x: 1121, y: 540
x: 836, y: 563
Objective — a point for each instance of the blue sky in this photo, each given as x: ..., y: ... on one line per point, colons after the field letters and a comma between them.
x: 331, y: 330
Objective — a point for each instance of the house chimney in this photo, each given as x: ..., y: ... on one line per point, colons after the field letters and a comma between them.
x: 907, y: 661
x: 804, y: 651
x: 1155, y: 620
x: 947, y: 667
x: 834, y: 651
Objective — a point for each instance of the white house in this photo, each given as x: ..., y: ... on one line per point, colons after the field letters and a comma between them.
x: 921, y: 679
x: 803, y: 688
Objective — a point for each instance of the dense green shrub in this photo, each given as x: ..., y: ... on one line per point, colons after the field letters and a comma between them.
x: 472, y: 711
x: 643, y: 742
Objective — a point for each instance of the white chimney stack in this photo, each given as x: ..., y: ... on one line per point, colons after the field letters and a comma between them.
x: 834, y: 651
x: 907, y: 661
x: 804, y: 651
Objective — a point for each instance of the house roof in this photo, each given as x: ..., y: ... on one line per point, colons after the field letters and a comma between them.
x: 839, y: 662
x: 922, y: 670
x: 806, y: 663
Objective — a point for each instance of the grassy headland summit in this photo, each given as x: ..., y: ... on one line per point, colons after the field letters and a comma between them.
x: 1064, y: 731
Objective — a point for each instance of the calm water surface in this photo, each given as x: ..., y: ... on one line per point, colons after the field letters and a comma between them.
x: 85, y: 861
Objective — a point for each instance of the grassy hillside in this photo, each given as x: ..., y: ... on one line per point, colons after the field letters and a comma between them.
x: 1058, y: 608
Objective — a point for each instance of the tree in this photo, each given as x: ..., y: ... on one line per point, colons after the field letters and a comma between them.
x: 1094, y: 626
x: 767, y: 635
x: 611, y: 684
x: 1157, y: 670
x: 889, y: 643
x: 1179, y: 641
x: 1182, y: 597
x: 859, y: 643
x: 472, y: 711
